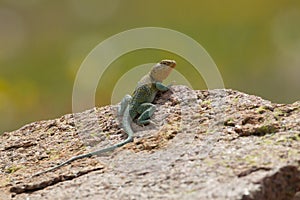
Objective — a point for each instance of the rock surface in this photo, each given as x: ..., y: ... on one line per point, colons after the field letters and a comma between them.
x: 218, y: 144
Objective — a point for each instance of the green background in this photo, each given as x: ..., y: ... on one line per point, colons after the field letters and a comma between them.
x: 255, y: 44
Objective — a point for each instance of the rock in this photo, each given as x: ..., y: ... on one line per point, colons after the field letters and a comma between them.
x: 217, y: 144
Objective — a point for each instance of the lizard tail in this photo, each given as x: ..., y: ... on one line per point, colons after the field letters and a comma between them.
x: 126, y: 121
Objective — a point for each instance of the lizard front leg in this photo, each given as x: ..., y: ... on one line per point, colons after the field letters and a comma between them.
x: 161, y: 87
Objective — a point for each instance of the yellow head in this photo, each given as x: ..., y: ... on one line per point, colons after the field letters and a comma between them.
x: 161, y: 70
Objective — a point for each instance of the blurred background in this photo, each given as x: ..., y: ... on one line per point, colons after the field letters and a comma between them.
x: 255, y: 44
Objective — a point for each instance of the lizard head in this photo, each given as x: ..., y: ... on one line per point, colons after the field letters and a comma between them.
x: 161, y: 70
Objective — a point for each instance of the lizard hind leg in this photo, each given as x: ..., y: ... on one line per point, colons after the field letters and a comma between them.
x: 123, y: 105
x: 146, y: 110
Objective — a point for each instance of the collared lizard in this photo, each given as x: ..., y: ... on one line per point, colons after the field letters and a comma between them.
x: 138, y: 106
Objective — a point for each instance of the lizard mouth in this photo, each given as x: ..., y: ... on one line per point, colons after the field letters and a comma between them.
x: 173, y: 64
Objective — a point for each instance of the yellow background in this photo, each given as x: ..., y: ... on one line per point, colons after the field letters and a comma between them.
x: 255, y: 44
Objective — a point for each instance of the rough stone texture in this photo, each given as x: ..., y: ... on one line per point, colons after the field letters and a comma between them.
x: 218, y: 144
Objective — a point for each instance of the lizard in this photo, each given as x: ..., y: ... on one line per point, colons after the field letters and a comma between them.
x: 137, y: 107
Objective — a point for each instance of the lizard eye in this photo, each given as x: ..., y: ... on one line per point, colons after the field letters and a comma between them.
x: 170, y: 63
x: 164, y: 62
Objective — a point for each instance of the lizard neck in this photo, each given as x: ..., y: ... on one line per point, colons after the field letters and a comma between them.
x: 153, y: 80
x: 160, y: 72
